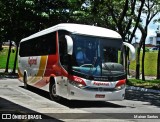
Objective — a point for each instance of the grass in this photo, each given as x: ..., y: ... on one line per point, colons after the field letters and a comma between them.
x: 151, y: 84
x: 3, y: 59
x: 150, y: 63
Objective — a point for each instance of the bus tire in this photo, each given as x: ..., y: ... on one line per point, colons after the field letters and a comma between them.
x: 52, y: 90
x: 25, y: 81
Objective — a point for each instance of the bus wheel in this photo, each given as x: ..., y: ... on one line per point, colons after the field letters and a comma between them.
x: 25, y: 81
x: 52, y: 91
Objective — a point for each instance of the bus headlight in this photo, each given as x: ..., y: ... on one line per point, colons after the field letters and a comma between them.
x: 120, y: 87
x: 76, y: 84
x: 77, y: 81
x: 120, y: 84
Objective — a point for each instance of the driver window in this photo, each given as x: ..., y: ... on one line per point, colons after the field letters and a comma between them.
x: 63, y: 50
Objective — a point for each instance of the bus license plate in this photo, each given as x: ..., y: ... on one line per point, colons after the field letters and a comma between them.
x: 99, y: 96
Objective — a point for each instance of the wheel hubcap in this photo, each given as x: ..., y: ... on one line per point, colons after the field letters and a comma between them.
x: 54, y: 90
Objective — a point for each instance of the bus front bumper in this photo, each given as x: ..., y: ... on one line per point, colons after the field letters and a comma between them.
x: 75, y: 93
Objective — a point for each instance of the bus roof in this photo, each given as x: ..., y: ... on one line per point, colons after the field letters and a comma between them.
x: 78, y: 29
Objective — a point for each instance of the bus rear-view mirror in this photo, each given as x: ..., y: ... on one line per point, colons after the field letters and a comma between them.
x: 69, y: 44
x: 132, y: 50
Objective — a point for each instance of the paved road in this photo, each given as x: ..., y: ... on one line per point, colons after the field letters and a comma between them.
x: 14, y: 98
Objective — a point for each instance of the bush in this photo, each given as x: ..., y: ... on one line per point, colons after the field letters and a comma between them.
x: 146, y: 49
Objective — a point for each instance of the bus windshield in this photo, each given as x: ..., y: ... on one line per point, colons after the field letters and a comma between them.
x: 97, y: 56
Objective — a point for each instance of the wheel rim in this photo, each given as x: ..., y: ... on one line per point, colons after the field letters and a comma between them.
x: 54, y: 90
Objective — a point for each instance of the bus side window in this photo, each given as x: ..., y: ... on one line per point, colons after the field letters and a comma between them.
x: 50, y: 44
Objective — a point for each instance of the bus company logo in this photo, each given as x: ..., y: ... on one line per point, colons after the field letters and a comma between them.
x: 78, y: 80
x: 32, y: 61
x: 100, y: 83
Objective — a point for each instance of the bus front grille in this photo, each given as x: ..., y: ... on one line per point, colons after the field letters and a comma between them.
x: 100, y: 89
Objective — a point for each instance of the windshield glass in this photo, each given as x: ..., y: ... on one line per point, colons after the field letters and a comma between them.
x: 96, y: 56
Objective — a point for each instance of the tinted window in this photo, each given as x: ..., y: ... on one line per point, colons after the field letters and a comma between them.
x: 43, y: 45
x: 63, y: 49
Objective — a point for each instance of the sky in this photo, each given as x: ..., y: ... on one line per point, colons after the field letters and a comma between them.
x: 152, y: 28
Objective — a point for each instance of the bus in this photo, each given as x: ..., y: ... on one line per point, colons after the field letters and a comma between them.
x: 51, y: 60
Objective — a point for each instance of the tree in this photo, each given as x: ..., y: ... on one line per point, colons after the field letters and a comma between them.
x: 122, y: 14
x: 1, y: 28
x: 16, y: 24
x: 158, y: 57
x: 150, y: 9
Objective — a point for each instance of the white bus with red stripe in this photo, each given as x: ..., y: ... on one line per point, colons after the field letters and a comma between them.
x: 48, y: 60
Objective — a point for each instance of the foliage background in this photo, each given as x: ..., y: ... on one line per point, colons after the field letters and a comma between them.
x: 149, y: 63
x: 3, y: 59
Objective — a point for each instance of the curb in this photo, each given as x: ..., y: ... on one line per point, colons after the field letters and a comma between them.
x: 142, y: 89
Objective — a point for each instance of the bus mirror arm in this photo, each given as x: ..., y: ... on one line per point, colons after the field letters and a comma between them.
x: 132, y: 50
x: 69, y: 44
